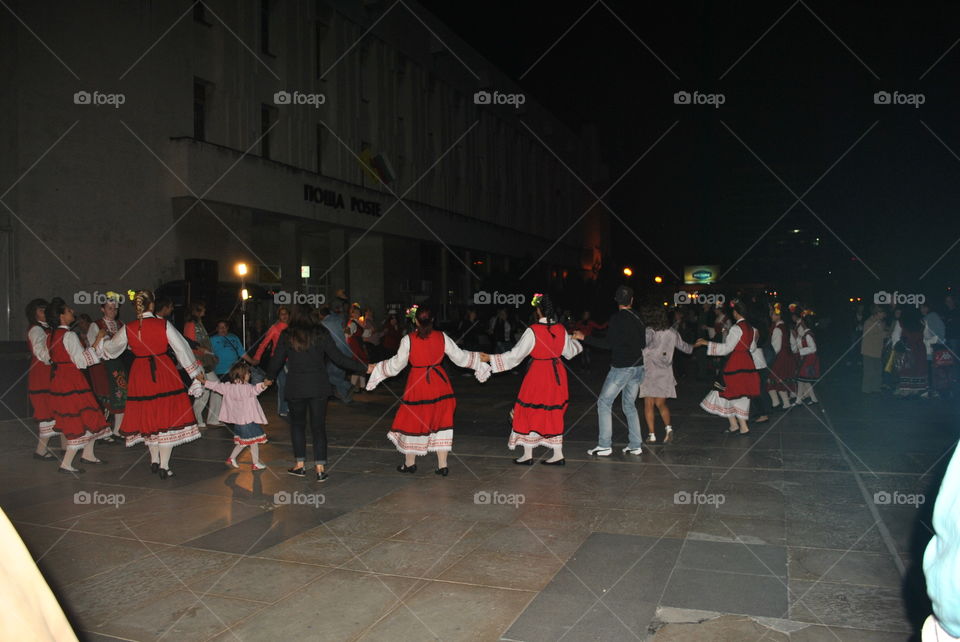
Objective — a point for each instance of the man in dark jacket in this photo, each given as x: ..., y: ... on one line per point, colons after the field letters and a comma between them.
x: 626, y: 339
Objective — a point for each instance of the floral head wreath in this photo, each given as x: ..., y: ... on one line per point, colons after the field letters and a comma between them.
x: 535, y: 301
x: 114, y: 297
x: 777, y: 309
x: 411, y: 312
x: 130, y: 293
x: 793, y: 307
x: 807, y: 313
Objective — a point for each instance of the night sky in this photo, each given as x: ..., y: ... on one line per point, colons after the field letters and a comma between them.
x: 800, y: 99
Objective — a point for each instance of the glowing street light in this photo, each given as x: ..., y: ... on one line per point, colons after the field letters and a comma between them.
x: 658, y: 279
x: 627, y: 271
x: 241, y: 269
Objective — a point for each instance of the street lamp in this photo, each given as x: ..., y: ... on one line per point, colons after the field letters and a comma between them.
x: 658, y: 279
x: 241, y: 270
x: 627, y: 271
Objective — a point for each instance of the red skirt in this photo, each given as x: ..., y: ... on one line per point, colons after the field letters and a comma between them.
x: 542, y: 401
x: 740, y: 377
x: 427, y: 405
x: 809, y: 368
x: 75, y: 410
x: 38, y: 390
x: 782, y: 372
x: 157, y: 401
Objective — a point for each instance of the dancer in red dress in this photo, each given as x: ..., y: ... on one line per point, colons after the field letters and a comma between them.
x: 158, y: 411
x: 424, y: 421
x: 109, y: 378
x: 740, y: 379
x: 808, y: 371
x: 38, y: 377
x: 542, y: 401
x: 76, y: 414
x: 781, y: 382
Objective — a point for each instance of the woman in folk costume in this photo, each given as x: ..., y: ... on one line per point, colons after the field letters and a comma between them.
x: 659, y: 382
x: 109, y: 378
x: 783, y: 368
x: 354, y: 333
x: 543, y: 397
x: 424, y: 421
x: 910, y: 354
x: 739, y: 378
x: 159, y: 412
x: 38, y: 377
x: 808, y: 370
x: 75, y: 411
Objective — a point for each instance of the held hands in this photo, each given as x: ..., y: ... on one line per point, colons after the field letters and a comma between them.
x: 577, y: 335
x: 700, y: 342
x: 370, y: 367
x: 268, y: 382
x: 484, y: 357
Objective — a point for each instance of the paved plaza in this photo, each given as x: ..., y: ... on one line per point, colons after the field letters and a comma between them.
x: 808, y: 529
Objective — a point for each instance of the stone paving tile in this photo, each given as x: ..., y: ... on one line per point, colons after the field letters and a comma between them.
x: 753, y: 559
x: 845, y: 567
x: 349, y: 603
x: 610, y: 586
x: 257, y: 579
x: 863, y: 607
x: 482, y: 614
x: 714, y: 591
x: 412, y: 559
x: 714, y: 526
x: 180, y: 615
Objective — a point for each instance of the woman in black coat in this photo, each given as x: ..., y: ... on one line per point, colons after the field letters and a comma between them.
x: 304, y: 347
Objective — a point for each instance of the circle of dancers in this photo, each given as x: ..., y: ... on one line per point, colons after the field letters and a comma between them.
x: 141, y: 375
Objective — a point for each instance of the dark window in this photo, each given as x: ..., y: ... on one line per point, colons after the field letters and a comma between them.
x: 267, y: 118
x: 200, y: 12
x: 319, y: 36
x: 265, y: 26
x: 199, y: 110
x: 320, y: 137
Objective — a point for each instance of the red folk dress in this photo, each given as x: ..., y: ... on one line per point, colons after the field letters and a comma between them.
x: 740, y: 377
x: 158, y: 409
x: 424, y: 421
x: 38, y: 379
x: 543, y: 397
x: 75, y: 410
x: 784, y: 367
x: 809, y: 369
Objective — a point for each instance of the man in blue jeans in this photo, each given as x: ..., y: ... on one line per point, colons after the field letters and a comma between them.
x: 626, y: 339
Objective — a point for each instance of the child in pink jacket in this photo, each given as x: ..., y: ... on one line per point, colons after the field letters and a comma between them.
x: 241, y: 409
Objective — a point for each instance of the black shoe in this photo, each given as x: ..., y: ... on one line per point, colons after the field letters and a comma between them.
x: 442, y: 471
x: 559, y: 462
x: 44, y: 457
x: 403, y: 468
x: 297, y: 472
x: 322, y: 477
x: 525, y: 462
x: 154, y: 468
x: 93, y: 462
x: 165, y: 472
x: 67, y: 471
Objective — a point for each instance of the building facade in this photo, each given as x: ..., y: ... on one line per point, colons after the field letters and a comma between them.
x: 346, y: 136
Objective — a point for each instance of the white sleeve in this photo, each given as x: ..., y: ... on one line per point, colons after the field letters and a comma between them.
x: 717, y: 349
x: 392, y: 366
x: 188, y: 360
x: 114, y: 346
x: 794, y: 345
x: 81, y: 357
x: 38, y: 344
x: 680, y: 344
x: 463, y: 358
x: 811, y: 346
x: 897, y: 331
x: 516, y: 355
x: 776, y: 339
x: 571, y: 347
x: 92, y: 333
